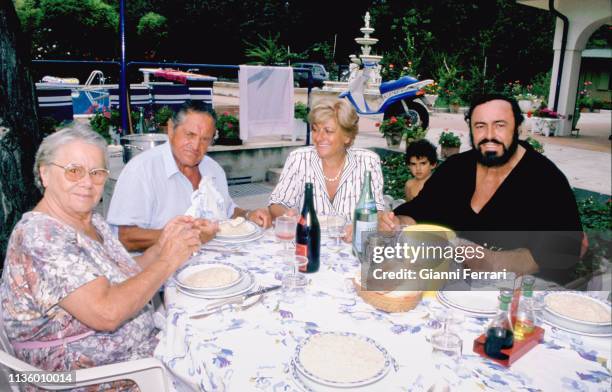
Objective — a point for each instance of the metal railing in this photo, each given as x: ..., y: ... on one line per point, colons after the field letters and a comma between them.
x: 123, y: 107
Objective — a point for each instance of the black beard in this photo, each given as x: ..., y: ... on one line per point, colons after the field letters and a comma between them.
x: 489, y: 159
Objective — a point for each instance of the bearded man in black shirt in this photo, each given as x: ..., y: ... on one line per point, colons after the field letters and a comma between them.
x: 503, y: 195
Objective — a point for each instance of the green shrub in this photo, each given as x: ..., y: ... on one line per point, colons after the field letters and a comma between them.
x: 539, y: 147
x: 228, y: 126
x: 163, y: 115
x: 449, y: 139
x: 395, y: 174
x: 300, y: 111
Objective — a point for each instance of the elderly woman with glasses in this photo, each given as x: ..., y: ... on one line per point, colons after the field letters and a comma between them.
x: 72, y: 297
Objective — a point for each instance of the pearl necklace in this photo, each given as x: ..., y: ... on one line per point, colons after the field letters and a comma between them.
x: 334, y: 179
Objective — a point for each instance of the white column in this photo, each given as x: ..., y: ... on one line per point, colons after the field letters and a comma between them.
x: 568, y: 87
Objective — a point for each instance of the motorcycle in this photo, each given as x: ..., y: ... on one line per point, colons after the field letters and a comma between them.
x: 401, y: 97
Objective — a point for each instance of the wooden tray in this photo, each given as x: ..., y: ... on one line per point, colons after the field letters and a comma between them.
x: 520, y: 347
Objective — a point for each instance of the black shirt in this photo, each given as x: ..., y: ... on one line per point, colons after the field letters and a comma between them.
x: 535, y: 207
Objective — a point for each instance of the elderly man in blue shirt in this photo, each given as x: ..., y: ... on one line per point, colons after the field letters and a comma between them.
x: 156, y: 185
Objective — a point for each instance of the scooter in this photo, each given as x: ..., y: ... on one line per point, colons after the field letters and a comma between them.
x: 401, y: 97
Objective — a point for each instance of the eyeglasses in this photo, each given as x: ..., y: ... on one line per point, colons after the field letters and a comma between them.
x: 74, y: 173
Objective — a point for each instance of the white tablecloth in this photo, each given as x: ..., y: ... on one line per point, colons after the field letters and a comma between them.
x: 251, y: 350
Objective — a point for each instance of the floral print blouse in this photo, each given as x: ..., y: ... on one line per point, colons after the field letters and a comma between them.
x: 46, y: 261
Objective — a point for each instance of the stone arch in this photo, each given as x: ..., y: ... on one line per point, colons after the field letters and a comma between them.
x: 583, y: 37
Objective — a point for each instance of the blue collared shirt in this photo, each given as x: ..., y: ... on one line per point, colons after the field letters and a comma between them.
x: 151, y: 190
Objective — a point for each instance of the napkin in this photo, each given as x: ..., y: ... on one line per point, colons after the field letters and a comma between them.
x: 189, y: 361
x: 207, y: 202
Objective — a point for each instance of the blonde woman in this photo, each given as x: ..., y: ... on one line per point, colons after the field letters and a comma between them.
x: 336, y: 169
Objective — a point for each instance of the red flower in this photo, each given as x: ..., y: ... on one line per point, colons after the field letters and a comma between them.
x: 230, y: 125
x: 529, y: 114
x: 377, y: 125
x: 226, y: 113
x: 391, y: 66
x: 107, y: 114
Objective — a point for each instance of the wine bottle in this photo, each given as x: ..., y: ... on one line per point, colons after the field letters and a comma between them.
x: 365, y: 218
x: 308, y: 233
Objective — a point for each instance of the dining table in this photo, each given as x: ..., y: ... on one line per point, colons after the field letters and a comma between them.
x: 251, y: 349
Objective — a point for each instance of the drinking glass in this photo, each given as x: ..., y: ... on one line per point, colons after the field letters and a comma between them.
x: 336, y: 225
x: 446, y: 351
x: 284, y: 229
x: 296, y: 279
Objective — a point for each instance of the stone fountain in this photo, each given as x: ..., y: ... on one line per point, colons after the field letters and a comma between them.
x: 366, y: 42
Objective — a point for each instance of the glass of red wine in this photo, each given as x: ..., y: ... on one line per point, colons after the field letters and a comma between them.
x: 284, y: 229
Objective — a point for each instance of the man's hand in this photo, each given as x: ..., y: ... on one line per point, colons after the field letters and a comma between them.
x: 387, y: 221
x: 261, y: 217
x: 208, y: 230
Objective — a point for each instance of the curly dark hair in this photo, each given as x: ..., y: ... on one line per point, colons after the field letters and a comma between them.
x: 422, y: 148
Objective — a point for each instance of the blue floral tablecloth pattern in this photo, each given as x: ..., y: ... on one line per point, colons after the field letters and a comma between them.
x: 251, y: 350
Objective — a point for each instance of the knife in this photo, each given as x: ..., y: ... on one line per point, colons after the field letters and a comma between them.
x: 241, y: 298
x: 235, y: 300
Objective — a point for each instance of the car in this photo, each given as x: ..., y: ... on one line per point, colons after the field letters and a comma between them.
x: 319, y: 74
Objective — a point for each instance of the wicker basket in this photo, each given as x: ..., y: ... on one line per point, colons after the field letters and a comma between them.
x: 389, y: 303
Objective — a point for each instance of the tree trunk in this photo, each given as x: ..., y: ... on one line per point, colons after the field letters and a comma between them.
x: 19, y: 132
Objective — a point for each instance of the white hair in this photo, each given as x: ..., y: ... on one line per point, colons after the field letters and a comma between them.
x: 49, y: 146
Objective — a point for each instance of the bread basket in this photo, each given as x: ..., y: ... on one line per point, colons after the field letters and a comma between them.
x: 389, y: 301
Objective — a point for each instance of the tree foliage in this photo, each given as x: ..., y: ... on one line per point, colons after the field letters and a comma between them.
x: 489, y: 42
x: 70, y: 28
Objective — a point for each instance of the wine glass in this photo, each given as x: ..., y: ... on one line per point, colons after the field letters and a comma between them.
x: 446, y: 351
x: 336, y: 230
x: 284, y: 229
x: 296, y: 280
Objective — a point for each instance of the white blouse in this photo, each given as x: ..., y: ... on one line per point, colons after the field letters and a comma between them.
x: 304, y: 165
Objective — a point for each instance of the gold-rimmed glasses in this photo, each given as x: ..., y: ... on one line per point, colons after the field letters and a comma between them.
x: 75, y: 172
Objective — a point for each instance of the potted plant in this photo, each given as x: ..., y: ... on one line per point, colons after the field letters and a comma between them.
x: 228, y: 129
x: 393, y: 129
x: 454, y: 102
x: 545, y: 121
x: 300, y: 115
x: 161, y: 118
x: 449, y: 144
x: 525, y: 101
x: 432, y: 92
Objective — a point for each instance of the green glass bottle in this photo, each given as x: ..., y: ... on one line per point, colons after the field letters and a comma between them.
x: 365, y: 217
x: 525, y: 321
x: 500, y: 334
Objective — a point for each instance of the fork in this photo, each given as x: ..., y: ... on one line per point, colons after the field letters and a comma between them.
x: 225, y: 307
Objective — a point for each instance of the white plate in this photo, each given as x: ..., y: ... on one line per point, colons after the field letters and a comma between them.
x: 580, y: 327
x: 478, y: 302
x: 255, y: 236
x: 602, y: 334
x: 251, y: 227
x: 244, y: 286
x: 602, y: 304
x: 377, y: 376
x: 185, y: 272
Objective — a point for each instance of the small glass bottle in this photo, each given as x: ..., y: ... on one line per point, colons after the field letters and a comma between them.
x: 525, y: 321
x: 500, y: 334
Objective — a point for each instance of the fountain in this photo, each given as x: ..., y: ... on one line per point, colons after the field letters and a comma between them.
x: 366, y: 42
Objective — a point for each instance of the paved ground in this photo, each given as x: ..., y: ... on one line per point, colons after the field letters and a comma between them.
x: 585, y: 160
